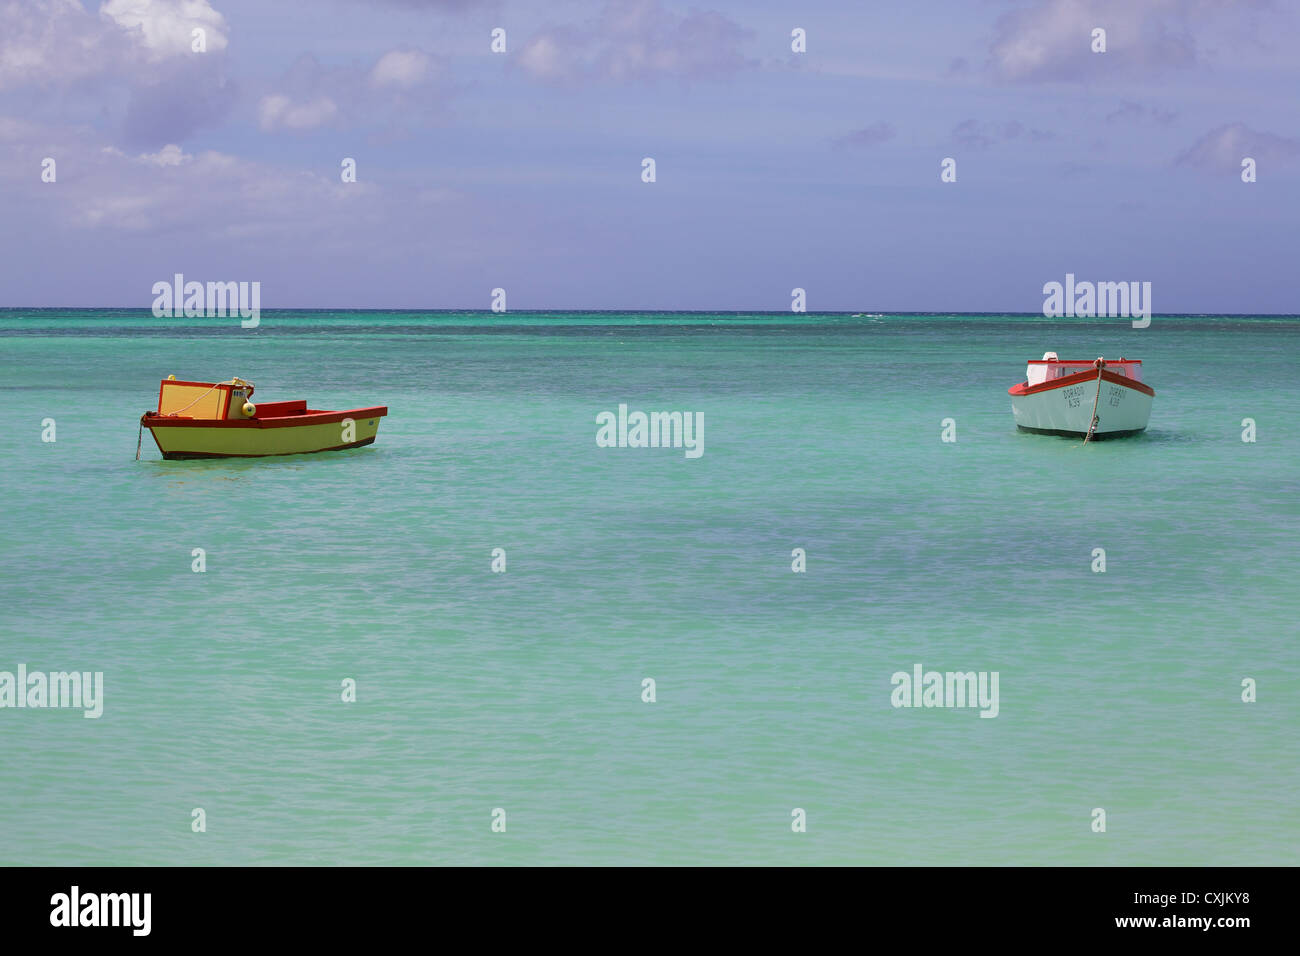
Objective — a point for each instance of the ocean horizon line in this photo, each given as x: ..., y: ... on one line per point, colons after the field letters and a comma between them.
x: 552, y: 310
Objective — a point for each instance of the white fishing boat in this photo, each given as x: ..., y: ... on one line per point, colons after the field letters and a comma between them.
x: 1088, y: 398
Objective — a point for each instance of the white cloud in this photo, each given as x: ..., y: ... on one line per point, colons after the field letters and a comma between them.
x: 1052, y: 39
x: 1222, y: 149
x: 132, y: 63
x: 59, y: 43
x: 169, y: 155
x: 633, y: 40
x: 157, y: 194
x: 165, y: 27
x: 277, y: 111
x: 311, y: 94
x: 544, y: 56
x: 400, y: 68
x: 50, y: 42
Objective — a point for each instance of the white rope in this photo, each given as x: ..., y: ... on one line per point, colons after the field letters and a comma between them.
x: 1100, y: 364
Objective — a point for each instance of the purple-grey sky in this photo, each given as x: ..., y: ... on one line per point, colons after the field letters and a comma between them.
x: 774, y: 169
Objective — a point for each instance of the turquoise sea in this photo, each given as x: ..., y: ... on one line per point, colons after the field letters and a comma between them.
x: 522, y: 690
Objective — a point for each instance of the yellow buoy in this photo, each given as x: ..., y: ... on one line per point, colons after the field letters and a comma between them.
x: 171, y: 378
x: 249, y: 409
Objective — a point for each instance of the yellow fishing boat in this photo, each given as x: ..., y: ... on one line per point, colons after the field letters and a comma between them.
x: 219, y: 420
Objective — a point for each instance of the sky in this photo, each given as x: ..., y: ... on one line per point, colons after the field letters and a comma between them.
x: 774, y: 169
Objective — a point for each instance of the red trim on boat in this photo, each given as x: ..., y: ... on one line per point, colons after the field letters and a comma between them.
x: 267, y: 410
x: 1087, y: 375
x: 312, y: 417
x: 177, y: 381
x: 1080, y: 361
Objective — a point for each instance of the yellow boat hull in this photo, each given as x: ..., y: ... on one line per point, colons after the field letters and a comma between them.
x: 187, y: 439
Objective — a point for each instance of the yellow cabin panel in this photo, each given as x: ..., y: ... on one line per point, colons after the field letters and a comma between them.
x: 193, y: 400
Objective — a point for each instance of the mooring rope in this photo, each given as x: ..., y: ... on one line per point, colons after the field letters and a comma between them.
x: 139, y: 436
x: 1099, y: 365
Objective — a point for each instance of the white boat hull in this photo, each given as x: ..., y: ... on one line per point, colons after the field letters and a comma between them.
x: 1065, y: 406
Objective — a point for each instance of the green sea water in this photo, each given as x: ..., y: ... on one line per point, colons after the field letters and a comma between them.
x: 522, y: 690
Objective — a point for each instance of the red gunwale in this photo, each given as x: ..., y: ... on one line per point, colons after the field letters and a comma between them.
x: 267, y: 410
x: 311, y: 417
x: 1081, y: 361
x: 1087, y: 375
